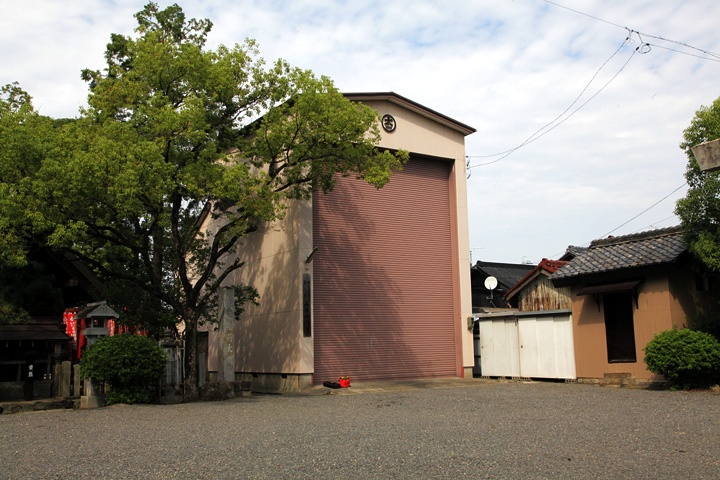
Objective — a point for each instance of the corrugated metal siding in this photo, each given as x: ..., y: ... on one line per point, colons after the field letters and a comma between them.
x: 383, y: 277
x: 542, y: 295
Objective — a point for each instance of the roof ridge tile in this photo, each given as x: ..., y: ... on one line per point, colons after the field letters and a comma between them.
x: 634, y: 237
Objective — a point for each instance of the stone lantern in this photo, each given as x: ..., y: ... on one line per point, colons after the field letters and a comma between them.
x: 96, y: 316
x: 170, y: 391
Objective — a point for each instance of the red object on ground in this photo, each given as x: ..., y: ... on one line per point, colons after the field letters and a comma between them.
x: 344, y: 382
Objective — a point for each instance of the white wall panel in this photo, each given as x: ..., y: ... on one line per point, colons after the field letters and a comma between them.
x: 539, y: 345
x: 499, y: 354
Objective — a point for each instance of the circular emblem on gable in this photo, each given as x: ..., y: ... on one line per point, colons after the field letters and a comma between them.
x: 388, y: 123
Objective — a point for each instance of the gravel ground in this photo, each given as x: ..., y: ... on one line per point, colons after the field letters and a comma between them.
x: 494, y: 430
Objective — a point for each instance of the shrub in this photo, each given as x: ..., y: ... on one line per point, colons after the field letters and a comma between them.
x: 128, y: 364
x: 686, y: 358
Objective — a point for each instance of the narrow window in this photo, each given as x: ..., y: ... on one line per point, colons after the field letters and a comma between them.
x: 306, y: 311
x: 619, y: 327
x: 702, y: 283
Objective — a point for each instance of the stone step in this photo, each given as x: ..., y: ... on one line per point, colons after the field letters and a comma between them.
x: 58, y: 403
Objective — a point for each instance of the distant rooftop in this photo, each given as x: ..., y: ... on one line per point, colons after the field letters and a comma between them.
x: 507, y: 274
x: 572, y: 252
x: 545, y: 265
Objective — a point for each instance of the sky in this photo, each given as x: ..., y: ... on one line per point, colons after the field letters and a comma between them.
x: 601, y: 89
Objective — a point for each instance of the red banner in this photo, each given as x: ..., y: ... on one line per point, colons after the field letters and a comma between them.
x: 75, y: 326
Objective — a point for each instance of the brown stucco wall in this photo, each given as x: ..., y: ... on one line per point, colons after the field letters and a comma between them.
x: 655, y: 312
x: 692, y: 306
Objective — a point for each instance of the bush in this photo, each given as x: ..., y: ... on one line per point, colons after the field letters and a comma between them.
x: 128, y: 364
x: 686, y: 358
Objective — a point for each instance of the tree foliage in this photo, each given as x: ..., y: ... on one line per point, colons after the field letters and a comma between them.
x: 24, y: 138
x: 699, y: 211
x: 129, y: 364
x: 175, y: 133
x: 24, y: 142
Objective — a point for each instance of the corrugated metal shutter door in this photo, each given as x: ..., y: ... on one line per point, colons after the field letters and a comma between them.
x: 383, y: 295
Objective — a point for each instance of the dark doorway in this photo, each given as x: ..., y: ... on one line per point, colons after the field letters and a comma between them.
x: 619, y: 327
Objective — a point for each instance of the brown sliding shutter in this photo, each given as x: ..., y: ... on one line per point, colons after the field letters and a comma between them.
x: 383, y: 285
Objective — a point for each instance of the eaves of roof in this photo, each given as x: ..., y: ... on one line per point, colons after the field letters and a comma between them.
x: 38, y: 329
x: 97, y: 310
x: 393, y: 97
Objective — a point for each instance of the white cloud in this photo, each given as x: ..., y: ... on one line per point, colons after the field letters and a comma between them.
x: 505, y: 68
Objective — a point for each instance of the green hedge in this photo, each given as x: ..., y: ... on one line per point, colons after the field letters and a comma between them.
x: 686, y: 358
x: 128, y: 364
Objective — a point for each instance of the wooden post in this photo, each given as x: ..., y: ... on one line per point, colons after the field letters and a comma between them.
x: 64, y: 379
x: 76, y: 381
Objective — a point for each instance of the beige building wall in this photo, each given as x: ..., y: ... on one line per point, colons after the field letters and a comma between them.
x: 655, y: 313
x: 269, y: 337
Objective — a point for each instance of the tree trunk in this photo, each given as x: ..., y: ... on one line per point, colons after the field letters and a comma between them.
x: 191, y: 365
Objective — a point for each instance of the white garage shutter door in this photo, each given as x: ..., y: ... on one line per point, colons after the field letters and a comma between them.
x: 383, y: 277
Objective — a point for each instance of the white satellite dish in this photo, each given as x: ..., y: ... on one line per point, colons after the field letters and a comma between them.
x: 491, y: 284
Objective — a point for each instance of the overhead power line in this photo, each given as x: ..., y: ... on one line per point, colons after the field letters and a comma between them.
x: 636, y: 216
x: 625, y: 223
x: 642, y: 34
x: 585, y: 14
x: 531, y: 137
x: 644, y: 47
x: 684, y: 53
x: 556, y: 122
x: 653, y: 225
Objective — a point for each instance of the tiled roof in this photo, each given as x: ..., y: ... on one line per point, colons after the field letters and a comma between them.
x: 572, y: 252
x: 610, y: 254
x: 37, y: 329
x: 550, y: 266
x: 507, y: 274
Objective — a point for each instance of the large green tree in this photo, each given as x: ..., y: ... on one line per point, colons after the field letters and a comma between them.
x: 699, y: 211
x: 23, y: 140
x: 175, y: 132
